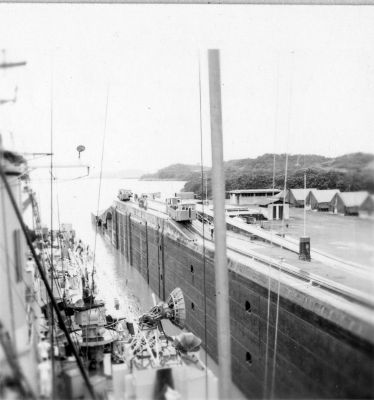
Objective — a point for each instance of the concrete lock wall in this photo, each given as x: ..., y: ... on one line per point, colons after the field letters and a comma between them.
x: 318, y: 352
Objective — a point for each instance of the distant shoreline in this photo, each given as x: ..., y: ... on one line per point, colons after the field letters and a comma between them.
x: 160, y: 179
x: 113, y: 177
x: 139, y: 179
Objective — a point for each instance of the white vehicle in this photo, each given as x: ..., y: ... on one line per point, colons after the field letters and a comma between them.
x: 180, y: 210
x: 124, y: 194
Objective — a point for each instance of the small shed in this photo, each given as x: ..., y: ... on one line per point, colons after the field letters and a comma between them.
x: 321, y: 200
x: 296, y: 197
x: 273, y: 209
x: 349, y: 203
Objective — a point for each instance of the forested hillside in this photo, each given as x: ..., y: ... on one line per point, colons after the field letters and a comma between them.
x: 175, y: 172
x: 349, y: 172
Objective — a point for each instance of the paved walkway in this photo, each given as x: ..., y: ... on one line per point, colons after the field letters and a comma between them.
x: 336, y: 268
x: 348, y: 238
x: 348, y: 276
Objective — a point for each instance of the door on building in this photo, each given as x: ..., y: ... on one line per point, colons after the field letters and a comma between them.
x: 274, y: 212
x: 280, y: 212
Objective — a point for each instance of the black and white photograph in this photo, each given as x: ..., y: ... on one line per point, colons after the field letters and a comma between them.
x: 186, y: 200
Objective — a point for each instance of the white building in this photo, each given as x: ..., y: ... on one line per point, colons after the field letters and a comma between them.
x: 250, y: 196
x: 265, y: 200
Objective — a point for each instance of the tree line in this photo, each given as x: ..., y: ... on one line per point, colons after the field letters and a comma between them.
x: 318, y: 179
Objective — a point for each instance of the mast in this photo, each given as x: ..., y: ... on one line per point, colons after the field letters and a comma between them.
x: 52, y: 322
x: 220, y: 256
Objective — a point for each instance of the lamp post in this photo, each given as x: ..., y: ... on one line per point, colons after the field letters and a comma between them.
x: 304, y: 246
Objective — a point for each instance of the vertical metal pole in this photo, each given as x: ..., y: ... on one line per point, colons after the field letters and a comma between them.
x: 284, y: 192
x: 146, y: 249
x: 304, y: 203
x: 220, y: 256
x: 53, y: 391
x: 206, y: 190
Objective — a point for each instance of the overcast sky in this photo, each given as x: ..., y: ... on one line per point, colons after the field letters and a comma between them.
x: 297, y: 79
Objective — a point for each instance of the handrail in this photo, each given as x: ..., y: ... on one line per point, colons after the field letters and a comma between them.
x: 327, y: 284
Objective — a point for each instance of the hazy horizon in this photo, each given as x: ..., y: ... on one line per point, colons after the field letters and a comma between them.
x: 294, y: 79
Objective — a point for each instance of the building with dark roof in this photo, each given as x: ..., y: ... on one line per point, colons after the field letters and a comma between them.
x: 367, y: 207
x: 349, y: 203
x: 296, y: 197
x: 321, y: 200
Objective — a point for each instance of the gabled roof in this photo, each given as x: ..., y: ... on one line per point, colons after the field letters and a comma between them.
x: 353, y: 199
x: 280, y: 194
x: 323, y: 196
x: 267, y: 201
x: 300, y: 194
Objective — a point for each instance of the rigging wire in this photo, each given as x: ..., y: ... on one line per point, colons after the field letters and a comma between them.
x: 98, y: 204
x: 265, y: 383
x: 59, y: 234
x: 276, y: 333
x: 204, y: 258
x: 51, y: 206
x: 101, y: 172
x: 284, y: 202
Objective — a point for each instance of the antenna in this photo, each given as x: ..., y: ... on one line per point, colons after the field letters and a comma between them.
x: 80, y: 148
